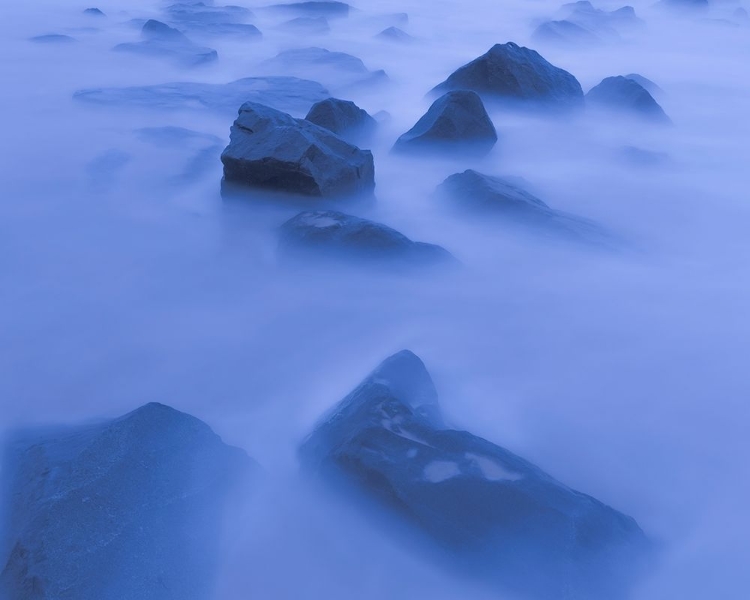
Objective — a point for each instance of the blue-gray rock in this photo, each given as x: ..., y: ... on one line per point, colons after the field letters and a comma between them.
x: 270, y: 149
x: 627, y: 96
x: 53, y: 38
x: 329, y: 9
x: 162, y: 41
x: 638, y: 157
x: 645, y: 83
x: 289, y: 94
x: 93, y: 12
x: 455, y: 121
x: 496, y: 515
x: 307, y: 25
x: 394, y: 34
x: 474, y: 194
x: 200, y: 12
x: 343, y: 117
x: 512, y: 72
x: 584, y: 13
x: 131, y: 509
x: 243, y: 31
x: 337, y: 237
x: 565, y: 32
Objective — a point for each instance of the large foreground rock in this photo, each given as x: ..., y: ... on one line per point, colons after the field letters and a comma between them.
x: 343, y: 117
x: 130, y: 509
x: 455, y: 121
x: 626, y: 95
x: 162, y: 41
x: 270, y: 149
x: 335, y: 236
x: 512, y: 72
x: 497, y: 515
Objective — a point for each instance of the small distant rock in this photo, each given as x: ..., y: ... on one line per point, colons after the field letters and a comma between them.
x: 512, y: 72
x: 342, y: 117
x: 394, y: 34
x: 324, y: 8
x: 162, y: 41
x: 202, y: 12
x: 308, y: 25
x: 456, y: 120
x: 272, y: 150
x: 628, y: 96
x: 565, y: 32
x: 53, y: 38
x: 332, y: 235
x: 94, y: 12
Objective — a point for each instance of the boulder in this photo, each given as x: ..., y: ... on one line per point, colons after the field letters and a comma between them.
x: 129, y: 509
x: 645, y: 83
x: 200, y: 12
x: 394, y: 34
x: 455, y: 121
x: 53, y: 38
x: 583, y: 13
x: 270, y: 149
x: 93, y: 12
x: 343, y: 118
x: 338, y: 237
x: 162, y: 41
x: 565, y: 32
x: 495, y: 515
x: 627, y: 96
x: 306, y: 25
x: 512, y: 72
x: 329, y: 9
x: 283, y: 93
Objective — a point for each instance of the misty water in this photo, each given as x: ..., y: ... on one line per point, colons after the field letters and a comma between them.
x: 621, y: 371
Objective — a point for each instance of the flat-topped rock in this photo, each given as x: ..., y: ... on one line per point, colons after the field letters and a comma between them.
x: 272, y: 150
x: 334, y: 236
x: 497, y: 516
x: 565, y: 32
x: 53, y: 38
x: 627, y: 96
x: 165, y: 42
x: 307, y: 25
x: 129, y: 509
x: 201, y: 12
x: 455, y: 121
x: 93, y: 12
x: 513, y: 72
x: 343, y: 117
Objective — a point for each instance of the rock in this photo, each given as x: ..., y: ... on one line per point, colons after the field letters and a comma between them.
x: 162, y: 41
x: 53, y: 38
x: 126, y: 510
x: 645, y: 83
x: 496, y: 515
x: 394, y: 34
x: 270, y: 149
x: 475, y: 194
x: 93, y: 12
x: 343, y: 117
x: 455, y: 121
x: 626, y: 95
x: 243, y: 31
x: 283, y: 93
x: 307, y: 25
x: 200, y: 12
x: 584, y: 14
x: 323, y: 8
x: 565, y: 32
x: 335, y: 236
x: 638, y: 157
x: 684, y: 5
x: 512, y: 72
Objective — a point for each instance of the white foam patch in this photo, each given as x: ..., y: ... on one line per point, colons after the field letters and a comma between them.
x: 440, y: 470
x: 493, y: 470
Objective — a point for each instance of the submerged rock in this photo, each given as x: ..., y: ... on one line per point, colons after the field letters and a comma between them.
x: 162, y: 41
x: 53, y: 38
x: 628, y: 96
x: 270, y: 149
x: 474, y: 193
x: 289, y: 94
x: 309, y: 25
x: 93, y: 12
x: 394, y: 34
x: 512, y: 72
x: 497, y: 516
x: 200, y: 12
x: 343, y: 117
x: 455, y: 121
x: 606, y: 23
x: 323, y: 8
x: 564, y: 32
x: 338, y: 237
x: 126, y: 510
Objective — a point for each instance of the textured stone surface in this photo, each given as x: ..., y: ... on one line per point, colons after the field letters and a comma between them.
x: 626, y: 95
x: 343, y: 117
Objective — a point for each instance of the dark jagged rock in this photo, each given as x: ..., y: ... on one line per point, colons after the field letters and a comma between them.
x: 270, y: 149
x: 473, y: 193
x: 309, y: 25
x: 323, y: 8
x: 495, y: 514
x: 343, y: 117
x: 645, y: 83
x: 456, y: 120
x: 394, y: 34
x: 162, y: 41
x: 335, y: 236
x: 200, y: 12
x: 512, y: 72
x: 93, y: 12
x: 564, y: 32
x: 289, y: 94
x: 53, y: 38
x: 626, y: 95
x: 126, y: 510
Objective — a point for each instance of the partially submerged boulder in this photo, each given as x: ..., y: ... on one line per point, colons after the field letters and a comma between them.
x: 512, y: 72
x: 162, y: 41
x: 651, y: 87
x: 93, y: 12
x: 201, y: 12
x: 270, y: 149
x: 53, y: 38
x: 496, y: 515
x: 129, y: 509
x: 394, y: 34
x: 325, y: 8
x: 306, y: 25
x: 334, y: 236
x: 627, y: 96
x: 343, y: 117
x: 565, y: 32
x: 455, y: 121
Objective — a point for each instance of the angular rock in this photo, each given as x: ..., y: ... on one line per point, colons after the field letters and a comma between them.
x: 496, y: 515
x: 162, y: 41
x: 474, y: 193
x: 455, y: 121
x: 394, y: 34
x: 307, y: 25
x: 329, y: 9
x: 338, y: 237
x: 270, y: 149
x: 126, y: 510
x: 342, y: 117
x: 512, y: 72
x: 628, y: 96
x: 283, y: 93
x: 93, y: 12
